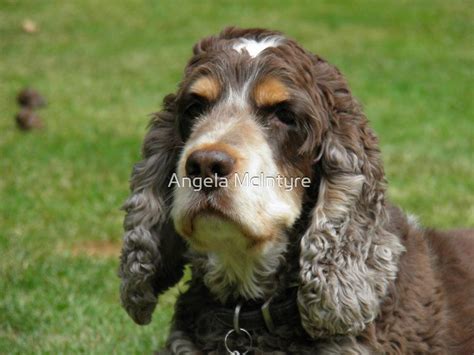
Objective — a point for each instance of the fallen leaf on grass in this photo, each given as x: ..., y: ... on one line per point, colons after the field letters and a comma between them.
x: 29, y: 26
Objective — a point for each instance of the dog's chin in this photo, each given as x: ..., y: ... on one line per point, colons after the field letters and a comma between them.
x: 211, y: 230
x: 214, y: 232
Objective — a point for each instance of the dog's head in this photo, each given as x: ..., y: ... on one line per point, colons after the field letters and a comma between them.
x: 245, y: 120
x: 261, y: 136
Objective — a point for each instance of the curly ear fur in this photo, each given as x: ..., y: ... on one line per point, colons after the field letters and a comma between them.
x: 347, y: 258
x: 152, y: 254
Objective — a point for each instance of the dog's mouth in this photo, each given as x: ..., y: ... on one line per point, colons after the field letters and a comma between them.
x: 210, y: 213
x: 213, y: 219
x: 203, y: 209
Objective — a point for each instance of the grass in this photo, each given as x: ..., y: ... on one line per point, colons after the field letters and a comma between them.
x: 104, y: 66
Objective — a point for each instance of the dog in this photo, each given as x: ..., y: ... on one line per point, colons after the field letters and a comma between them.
x: 281, y: 265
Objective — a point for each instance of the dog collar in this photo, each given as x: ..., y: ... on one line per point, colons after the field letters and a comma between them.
x: 270, y: 315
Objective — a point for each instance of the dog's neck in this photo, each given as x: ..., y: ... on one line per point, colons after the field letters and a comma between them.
x: 238, y: 274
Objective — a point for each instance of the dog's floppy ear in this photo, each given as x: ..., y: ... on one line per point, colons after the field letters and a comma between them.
x: 347, y: 258
x: 152, y: 254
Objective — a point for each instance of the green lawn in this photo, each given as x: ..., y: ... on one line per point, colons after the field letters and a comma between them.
x: 105, y: 65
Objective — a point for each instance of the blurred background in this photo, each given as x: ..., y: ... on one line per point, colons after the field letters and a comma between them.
x: 104, y: 66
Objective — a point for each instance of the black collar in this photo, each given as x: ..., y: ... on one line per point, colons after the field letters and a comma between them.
x: 274, y: 313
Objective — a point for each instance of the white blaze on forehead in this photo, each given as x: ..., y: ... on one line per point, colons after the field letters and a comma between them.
x: 254, y: 47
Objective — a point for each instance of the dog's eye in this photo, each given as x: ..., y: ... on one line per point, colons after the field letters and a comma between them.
x: 285, y: 116
x: 196, y: 106
x: 282, y: 113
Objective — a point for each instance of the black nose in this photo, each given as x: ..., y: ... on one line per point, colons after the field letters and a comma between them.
x: 209, y: 163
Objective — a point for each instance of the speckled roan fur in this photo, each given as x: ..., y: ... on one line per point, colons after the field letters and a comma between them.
x: 369, y: 281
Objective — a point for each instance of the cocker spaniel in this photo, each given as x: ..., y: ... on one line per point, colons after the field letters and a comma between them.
x: 262, y: 173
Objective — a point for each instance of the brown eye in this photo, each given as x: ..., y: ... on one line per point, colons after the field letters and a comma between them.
x: 285, y: 115
x: 195, y: 106
x: 282, y: 113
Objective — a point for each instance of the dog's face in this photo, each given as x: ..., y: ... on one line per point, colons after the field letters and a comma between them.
x: 245, y: 122
x: 223, y: 166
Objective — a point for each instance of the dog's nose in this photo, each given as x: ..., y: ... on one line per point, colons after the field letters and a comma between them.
x: 209, y: 163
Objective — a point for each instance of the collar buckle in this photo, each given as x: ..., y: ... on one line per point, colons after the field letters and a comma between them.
x: 267, y: 316
x: 236, y: 317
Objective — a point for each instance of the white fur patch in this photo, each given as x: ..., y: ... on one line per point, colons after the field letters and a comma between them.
x: 250, y: 275
x: 233, y: 269
x: 253, y: 47
x: 218, y: 235
x: 414, y: 221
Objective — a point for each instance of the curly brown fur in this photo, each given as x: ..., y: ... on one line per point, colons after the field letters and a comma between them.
x: 152, y: 257
x: 368, y: 280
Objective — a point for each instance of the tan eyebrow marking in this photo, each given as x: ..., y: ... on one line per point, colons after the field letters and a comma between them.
x: 270, y: 91
x: 207, y: 87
